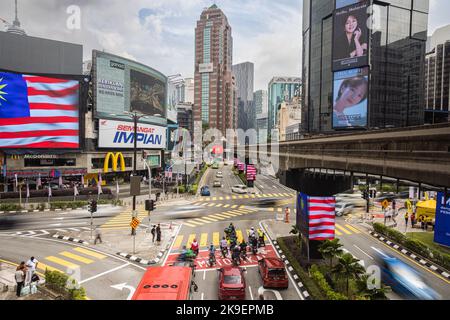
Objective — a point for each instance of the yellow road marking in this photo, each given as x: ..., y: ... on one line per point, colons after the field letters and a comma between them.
x: 178, y: 242
x: 211, y: 205
x: 280, y: 209
x: 343, y: 229
x: 210, y: 219
x: 190, y: 240
x: 204, y: 240
x: 222, y: 215
x: 271, y: 209
x: 43, y: 266
x: 220, y: 198
x: 234, y: 197
x: 216, y: 238
x: 234, y: 206
x: 227, y: 198
x: 219, y: 205
x: 239, y: 235
x: 90, y: 253
x: 337, y: 232
x: 237, y: 213
x: 241, y: 197
x: 195, y: 222
x: 253, y: 196
x: 352, y: 228
x: 246, y: 197
x: 215, y: 216
x: 76, y: 257
x: 190, y: 225
x: 229, y: 215
x: 62, y: 262
x: 202, y: 222
x: 214, y: 198
x: 226, y: 206
x: 234, y: 214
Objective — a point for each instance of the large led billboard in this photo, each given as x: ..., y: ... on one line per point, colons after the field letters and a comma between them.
x: 172, y: 101
x: 442, y: 225
x: 345, y: 3
x: 38, y: 112
x: 120, y: 135
x: 350, y: 36
x: 350, y: 98
x: 123, y: 85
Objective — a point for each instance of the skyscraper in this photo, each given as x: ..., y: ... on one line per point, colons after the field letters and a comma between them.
x: 281, y: 89
x: 15, y: 27
x: 244, y: 74
x: 261, y: 104
x: 214, y: 98
x: 388, y: 70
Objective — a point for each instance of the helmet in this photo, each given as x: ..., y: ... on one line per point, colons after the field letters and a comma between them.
x: 253, y: 229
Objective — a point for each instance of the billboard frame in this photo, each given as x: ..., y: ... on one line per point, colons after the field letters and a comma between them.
x: 83, y: 82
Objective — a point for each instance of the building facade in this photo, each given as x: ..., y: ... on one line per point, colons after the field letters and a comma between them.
x: 281, y: 89
x: 395, y: 53
x: 260, y: 100
x: 289, y: 114
x: 244, y: 74
x: 213, y: 92
x: 437, y: 77
x: 185, y: 117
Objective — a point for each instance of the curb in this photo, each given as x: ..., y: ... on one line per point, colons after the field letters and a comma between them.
x: 33, y: 211
x: 289, y: 268
x: 147, y: 262
x: 420, y: 260
x: 57, y: 236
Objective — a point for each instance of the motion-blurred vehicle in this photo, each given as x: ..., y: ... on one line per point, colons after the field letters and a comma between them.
x: 269, y: 202
x: 204, y: 191
x: 215, y: 165
x: 354, y: 198
x: 386, y: 196
x: 403, y: 279
x: 217, y: 184
x: 273, y: 273
x: 344, y: 208
x: 239, y: 188
x: 190, y: 264
x: 231, y: 283
x: 219, y: 174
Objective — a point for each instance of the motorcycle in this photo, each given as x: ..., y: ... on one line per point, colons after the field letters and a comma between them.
x: 244, y: 253
x: 254, y: 248
x: 183, y: 257
x: 212, y: 259
x: 236, y: 260
x: 261, y: 242
x: 230, y: 234
x: 224, y: 251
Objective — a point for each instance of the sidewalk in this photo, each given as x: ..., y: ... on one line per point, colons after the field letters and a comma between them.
x: 276, y: 229
x: 8, y: 285
x: 120, y: 240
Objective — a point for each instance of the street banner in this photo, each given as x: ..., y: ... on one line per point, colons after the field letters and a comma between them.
x: 75, y: 191
x: 49, y: 191
x: 60, y: 181
x: 99, y: 185
x: 15, y: 179
x: 39, y: 182
x: 82, y: 180
x: 117, y: 187
x: 28, y: 190
x: 442, y: 223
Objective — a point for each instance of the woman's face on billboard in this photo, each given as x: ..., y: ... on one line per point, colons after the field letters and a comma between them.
x: 353, y: 95
x: 351, y: 24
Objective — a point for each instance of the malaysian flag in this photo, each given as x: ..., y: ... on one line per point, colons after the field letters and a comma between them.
x: 38, y: 112
x: 321, y: 218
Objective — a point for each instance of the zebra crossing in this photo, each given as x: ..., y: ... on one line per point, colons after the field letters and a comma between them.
x: 122, y: 221
x: 207, y: 219
x: 45, y: 232
x: 248, y: 196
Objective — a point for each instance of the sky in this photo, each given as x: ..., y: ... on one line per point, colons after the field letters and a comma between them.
x: 161, y: 33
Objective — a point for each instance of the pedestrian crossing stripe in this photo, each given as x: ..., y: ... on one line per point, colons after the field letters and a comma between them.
x: 211, y: 205
x: 203, y: 239
x: 338, y: 232
x: 259, y: 196
x: 189, y: 225
x: 215, y: 216
x: 353, y: 229
x: 90, y: 253
x: 227, y: 198
x: 177, y: 242
x: 234, y: 206
x: 221, y: 215
x: 343, y: 229
x: 246, y: 197
x: 43, y: 266
x: 226, y: 206
x: 218, y: 205
x: 76, y: 257
x: 239, y: 235
x: 62, y: 262
x: 216, y: 238
x: 214, y: 199
x: 228, y: 214
x: 190, y: 240
x: 253, y: 196
x: 234, y: 197
x: 210, y: 219
x: 195, y: 222
x: 201, y: 220
x: 221, y: 198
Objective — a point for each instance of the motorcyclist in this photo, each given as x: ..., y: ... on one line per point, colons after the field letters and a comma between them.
x: 195, y: 247
x: 235, y: 254
x: 254, y: 244
x: 212, y: 252
x: 224, y: 246
x: 186, y: 254
x: 252, y: 233
x: 261, y: 237
x: 243, y: 247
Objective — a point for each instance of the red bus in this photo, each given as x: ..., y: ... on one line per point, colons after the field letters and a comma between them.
x: 166, y: 283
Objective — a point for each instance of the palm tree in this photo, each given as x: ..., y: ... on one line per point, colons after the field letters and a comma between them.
x: 330, y: 249
x: 348, y: 267
x: 372, y: 294
x: 296, y: 231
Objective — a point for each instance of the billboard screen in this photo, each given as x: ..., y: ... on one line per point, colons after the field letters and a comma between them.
x: 172, y: 101
x: 442, y: 225
x: 120, y: 135
x: 345, y: 3
x: 350, y: 98
x: 38, y: 112
x: 350, y: 41
x: 123, y: 85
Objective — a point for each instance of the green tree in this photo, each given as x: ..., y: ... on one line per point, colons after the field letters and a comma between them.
x: 295, y: 231
x: 372, y: 294
x: 331, y: 249
x: 349, y: 268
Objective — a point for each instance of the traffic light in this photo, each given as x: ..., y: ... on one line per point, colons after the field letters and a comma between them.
x: 149, y: 205
x: 93, y: 206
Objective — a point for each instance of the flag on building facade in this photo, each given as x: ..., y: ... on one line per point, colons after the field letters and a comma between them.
x: 38, y: 112
x: 49, y: 191
x: 99, y: 185
x: 322, y: 218
x: 16, y: 182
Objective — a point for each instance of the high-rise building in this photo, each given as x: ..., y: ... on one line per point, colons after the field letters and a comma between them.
x: 260, y: 101
x: 244, y: 74
x: 214, y: 98
x: 385, y: 65
x: 281, y: 89
x: 437, y: 77
x: 15, y: 28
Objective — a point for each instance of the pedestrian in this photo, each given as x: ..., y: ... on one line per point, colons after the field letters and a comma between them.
x: 20, y: 275
x: 158, y: 234
x: 98, y: 235
x: 31, y: 269
x: 406, y: 220
x: 153, y: 232
x: 394, y: 204
x: 413, y: 220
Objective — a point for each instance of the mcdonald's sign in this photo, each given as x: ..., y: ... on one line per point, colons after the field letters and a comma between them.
x: 115, y: 159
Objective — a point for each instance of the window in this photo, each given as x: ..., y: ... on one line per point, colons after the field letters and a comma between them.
x: 49, y: 163
x: 232, y: 279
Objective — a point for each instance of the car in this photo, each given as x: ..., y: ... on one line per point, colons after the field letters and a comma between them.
x: 219, y: 174
x: 217, y: 184
x: 215, y: 165
x: 403, y: 279
x: 273, y: 273
x: 239, y: 188
x: 204, y: 191
x: 386, y: 196
x: 232, y: 283
x: 344, y: 208
x: 269, y: 202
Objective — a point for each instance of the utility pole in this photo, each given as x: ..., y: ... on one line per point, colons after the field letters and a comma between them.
x: 135, y: 118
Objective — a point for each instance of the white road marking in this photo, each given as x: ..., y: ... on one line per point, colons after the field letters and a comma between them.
x: 362, y: 251
x: 55, y: 225
x: 277, y: 294
x: 106, y: 272
x: 58, y: 218
x: 204, y: 275
x: 202, y: 295
x: 250, y: 290
x: 123, y: 286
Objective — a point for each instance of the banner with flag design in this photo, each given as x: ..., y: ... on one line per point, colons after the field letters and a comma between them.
x: 38, y: 112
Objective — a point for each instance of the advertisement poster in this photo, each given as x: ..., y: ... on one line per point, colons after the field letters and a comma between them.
x: 351, y: 36
x: 344, y: 3
x: 110, y: 86
x: 147, y: 94
x: 38, y: 112
x: 350, y: 98
x: 172, y: 102
x: 120, y: 135
x: 442, y: 225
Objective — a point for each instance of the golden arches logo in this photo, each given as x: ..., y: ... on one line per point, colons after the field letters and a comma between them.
x: 115, y: 159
